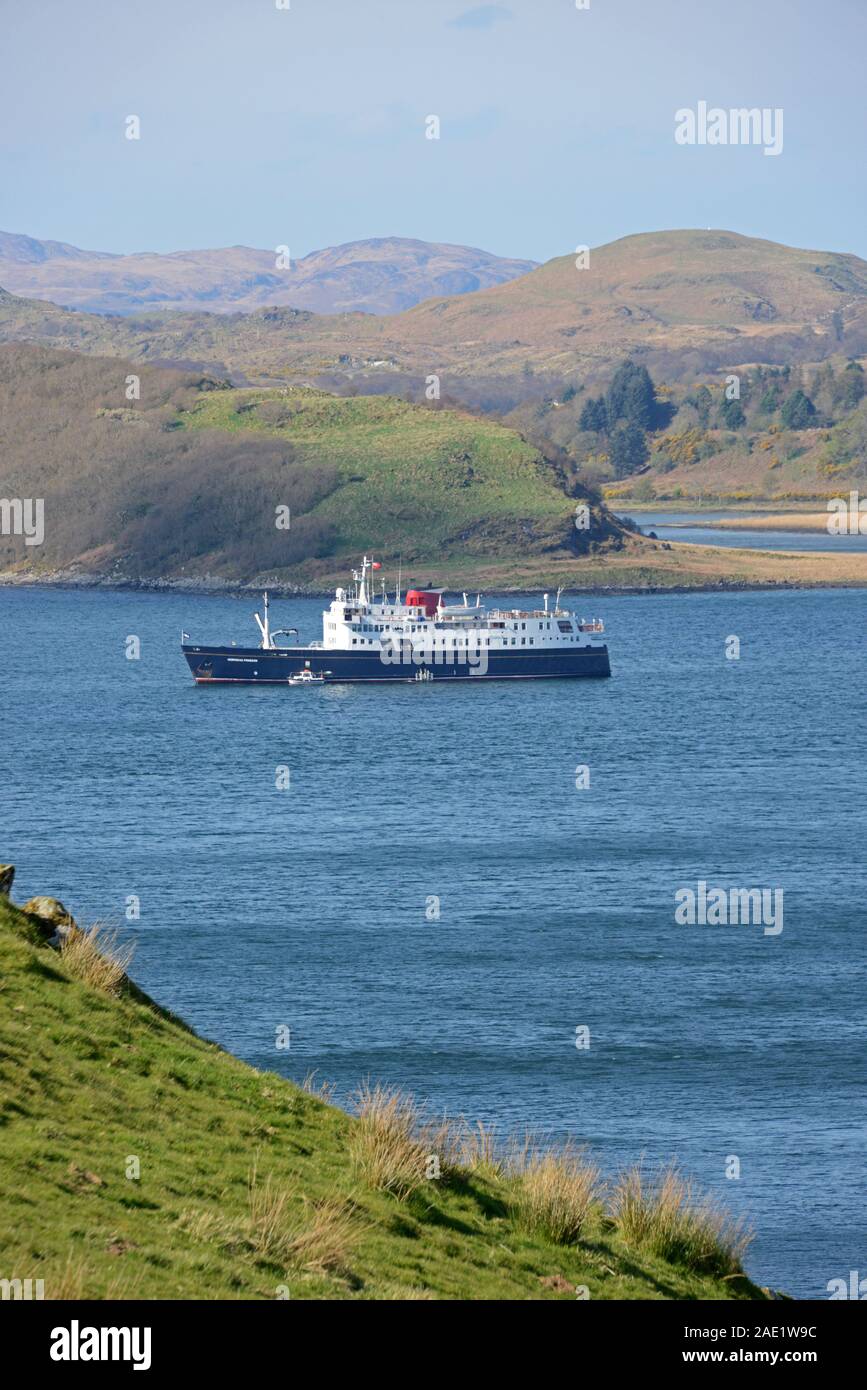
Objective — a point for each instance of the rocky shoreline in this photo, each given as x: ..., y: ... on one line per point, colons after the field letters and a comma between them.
x: 206, y: 585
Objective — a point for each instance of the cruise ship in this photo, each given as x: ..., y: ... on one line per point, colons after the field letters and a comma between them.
x: 419, y: 637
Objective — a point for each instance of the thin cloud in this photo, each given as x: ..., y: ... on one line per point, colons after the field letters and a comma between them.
x: 482, y: 17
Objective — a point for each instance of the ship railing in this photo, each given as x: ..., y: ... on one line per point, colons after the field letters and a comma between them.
x: 512, y: 613
x: 595, y: 626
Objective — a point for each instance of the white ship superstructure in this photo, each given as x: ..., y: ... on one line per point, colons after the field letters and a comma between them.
x: 437, y: 631
x: 416, y: 637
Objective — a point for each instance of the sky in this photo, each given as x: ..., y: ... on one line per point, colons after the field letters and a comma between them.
x: 305, y: 126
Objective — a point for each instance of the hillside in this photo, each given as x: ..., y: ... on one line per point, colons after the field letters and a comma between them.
x: 139, y: 1161
x: 183, y: 485
x: 381, y: 275
x: 662, y: 293
x: 185, y: 482
x: 684, y: 301
x: 790, y: 435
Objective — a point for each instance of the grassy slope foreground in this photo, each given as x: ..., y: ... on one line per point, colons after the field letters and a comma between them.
x: 249, y: 1183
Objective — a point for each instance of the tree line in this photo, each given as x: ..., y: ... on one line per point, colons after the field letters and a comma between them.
x: 629, y: 410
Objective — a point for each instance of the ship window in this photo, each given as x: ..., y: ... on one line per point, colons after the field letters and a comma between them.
x: 531, y: 641
x: 523, y: 641
x: 354, y: 641
x: 523, y: 625
x: 513, y: 641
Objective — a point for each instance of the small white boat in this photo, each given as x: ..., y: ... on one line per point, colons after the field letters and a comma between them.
x: 307, y: 678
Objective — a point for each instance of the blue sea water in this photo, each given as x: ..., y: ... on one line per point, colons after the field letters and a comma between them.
x: 310, y: 907
x: 692, y: 527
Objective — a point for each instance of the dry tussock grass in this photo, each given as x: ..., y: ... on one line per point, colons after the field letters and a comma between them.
x: 282, y: 1228
x: 554, y: 1191
x: 321, y: 1090
x: 665, y: 1217
x: 94, y: 957
x: 393, y: 1147
x: 317, y: 1237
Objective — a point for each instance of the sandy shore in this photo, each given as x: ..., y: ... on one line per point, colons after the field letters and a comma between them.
x: 774, y: 521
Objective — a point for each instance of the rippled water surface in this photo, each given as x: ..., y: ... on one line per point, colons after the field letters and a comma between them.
x: 311, y: 907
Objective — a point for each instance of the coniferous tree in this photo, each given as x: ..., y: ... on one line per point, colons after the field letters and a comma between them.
x: 631, y: 396
x: 639, y: 400
x: 702, y: 402
x: 731, y: 414
x: 627, y: 449
x: 798, y: 411
x: 593, y: 415
x: 849, y: 386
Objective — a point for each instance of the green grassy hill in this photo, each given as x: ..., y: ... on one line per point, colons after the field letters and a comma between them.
x: 138, y: 1160
x: 418, y: 481
x: 185, y: 480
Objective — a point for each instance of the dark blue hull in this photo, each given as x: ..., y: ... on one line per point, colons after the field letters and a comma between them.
x: 252, y: 666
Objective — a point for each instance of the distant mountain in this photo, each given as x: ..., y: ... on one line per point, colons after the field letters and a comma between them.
x: 686, y: 302
x: 380, y: 276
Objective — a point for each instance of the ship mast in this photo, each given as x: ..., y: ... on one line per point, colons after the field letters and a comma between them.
x: 264, y: 627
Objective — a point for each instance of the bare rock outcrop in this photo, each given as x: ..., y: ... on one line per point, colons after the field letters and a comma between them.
x: 53, y: 920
